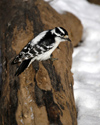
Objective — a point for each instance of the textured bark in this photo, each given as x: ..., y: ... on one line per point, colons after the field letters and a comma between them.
x: 37, y: 97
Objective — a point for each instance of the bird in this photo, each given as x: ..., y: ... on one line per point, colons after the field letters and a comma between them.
x: 40, y: 48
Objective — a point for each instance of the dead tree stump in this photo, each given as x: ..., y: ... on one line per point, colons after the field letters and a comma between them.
x: 42, y: 97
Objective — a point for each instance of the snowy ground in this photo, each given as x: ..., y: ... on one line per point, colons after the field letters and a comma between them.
x: 86, y: 59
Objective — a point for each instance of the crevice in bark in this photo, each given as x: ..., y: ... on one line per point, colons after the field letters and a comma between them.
x: 38, y: 94
x: 53, y: 111
x: 54, y: 77
x: 46, y: 98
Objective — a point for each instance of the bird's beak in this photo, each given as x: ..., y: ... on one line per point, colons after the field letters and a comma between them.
x: 66, y: 38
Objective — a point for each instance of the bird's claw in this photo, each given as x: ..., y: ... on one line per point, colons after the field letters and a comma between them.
x: 53, y: 59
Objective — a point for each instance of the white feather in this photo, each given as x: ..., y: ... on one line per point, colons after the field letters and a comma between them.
x: 54, y: 32
x: 38, y: 38
x: 60, y: 29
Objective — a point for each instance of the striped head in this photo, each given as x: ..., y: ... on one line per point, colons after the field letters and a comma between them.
x: 61, y: 34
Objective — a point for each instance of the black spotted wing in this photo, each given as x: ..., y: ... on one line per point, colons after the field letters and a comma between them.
x: 31, y: 51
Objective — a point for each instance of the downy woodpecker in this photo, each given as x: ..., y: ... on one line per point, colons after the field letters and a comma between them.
x: 40, y: 48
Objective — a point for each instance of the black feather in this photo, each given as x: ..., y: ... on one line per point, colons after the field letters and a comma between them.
x: 22, y: 67
x: 47, y: 40
x: 12, y: 63
x: 15, y: 62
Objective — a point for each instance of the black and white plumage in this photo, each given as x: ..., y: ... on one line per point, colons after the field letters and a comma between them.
x: 40, y: 48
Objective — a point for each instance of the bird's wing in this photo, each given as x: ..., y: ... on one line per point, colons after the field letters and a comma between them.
x: 44, y: 45
x: 35, y: 48
x: 24, y: 54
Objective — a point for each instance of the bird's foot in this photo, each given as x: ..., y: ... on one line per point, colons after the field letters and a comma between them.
x: 53, y: 59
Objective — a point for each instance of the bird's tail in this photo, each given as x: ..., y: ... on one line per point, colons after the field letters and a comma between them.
x: 23, y: 66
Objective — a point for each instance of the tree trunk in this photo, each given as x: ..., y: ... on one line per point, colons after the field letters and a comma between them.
x: 36, y: 97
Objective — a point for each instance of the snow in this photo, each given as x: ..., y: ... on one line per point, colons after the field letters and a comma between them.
x: 86, y: 59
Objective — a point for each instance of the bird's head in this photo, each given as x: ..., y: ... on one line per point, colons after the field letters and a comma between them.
x: 61, y: 34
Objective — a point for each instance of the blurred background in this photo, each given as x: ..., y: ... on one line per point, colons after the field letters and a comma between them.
x: 82, y: 20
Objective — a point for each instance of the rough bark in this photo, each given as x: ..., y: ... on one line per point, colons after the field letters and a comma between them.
x: 39, y: 97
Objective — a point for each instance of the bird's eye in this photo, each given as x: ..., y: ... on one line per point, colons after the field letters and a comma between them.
x: 62, y: 35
